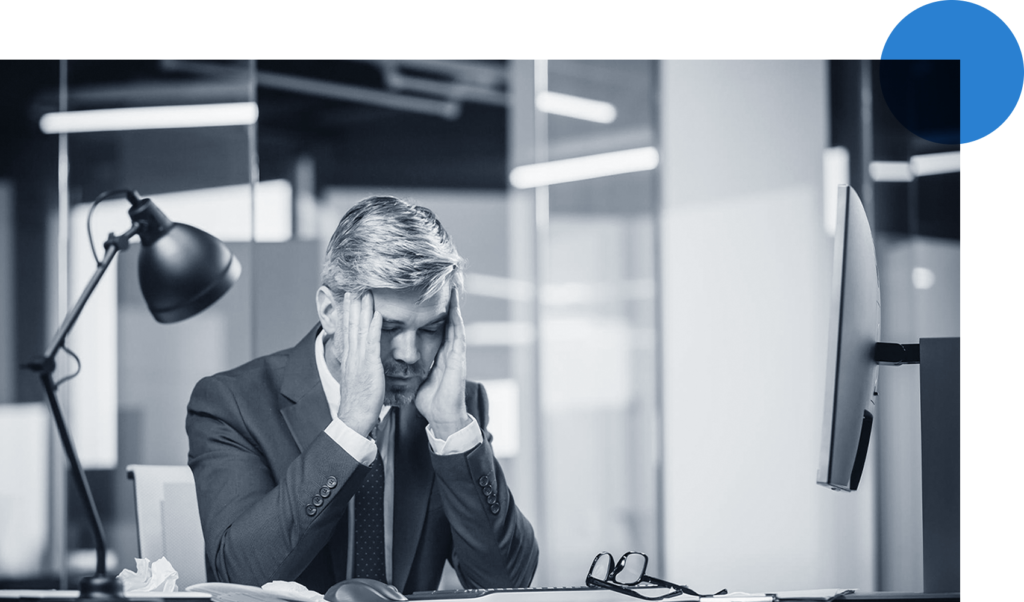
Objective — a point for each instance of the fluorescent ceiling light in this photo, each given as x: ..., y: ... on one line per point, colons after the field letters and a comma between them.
x: 890, y: 171
x: 931, y: 164
x: 584, y: 168
x: 576, y: 107
x: 934, y: 164
x: 150, y: 118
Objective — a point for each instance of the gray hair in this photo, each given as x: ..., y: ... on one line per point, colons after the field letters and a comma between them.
x: 385, y: 242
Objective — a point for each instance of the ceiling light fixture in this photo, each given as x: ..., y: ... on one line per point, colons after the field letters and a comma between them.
x: 584, y: 168
x: 576, y: 107
x: 150, y: 118
x: 934, y: 164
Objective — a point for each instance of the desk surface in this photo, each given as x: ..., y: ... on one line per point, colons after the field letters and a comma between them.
x: 555, y: 594
x: 46, y: 595
x: 509, y: 595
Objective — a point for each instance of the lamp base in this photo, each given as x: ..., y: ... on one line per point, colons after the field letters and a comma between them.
x: 101, y: 587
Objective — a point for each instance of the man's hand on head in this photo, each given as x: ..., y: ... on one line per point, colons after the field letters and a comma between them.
x: 362, y: 375
x: 441, y: 398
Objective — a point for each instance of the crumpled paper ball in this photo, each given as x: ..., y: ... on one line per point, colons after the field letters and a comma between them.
x: 158, y: 576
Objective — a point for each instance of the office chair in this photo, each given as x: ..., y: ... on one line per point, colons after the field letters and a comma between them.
x: 167, y: 517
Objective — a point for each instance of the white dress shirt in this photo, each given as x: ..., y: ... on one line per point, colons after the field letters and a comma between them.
x: 364, y: 450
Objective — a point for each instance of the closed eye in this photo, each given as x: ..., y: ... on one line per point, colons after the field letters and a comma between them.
x: 435, y: 326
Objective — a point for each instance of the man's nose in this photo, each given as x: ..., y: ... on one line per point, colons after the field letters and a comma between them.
x: 403, y: 348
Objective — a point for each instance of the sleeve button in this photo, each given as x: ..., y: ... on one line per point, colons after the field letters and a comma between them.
x: 310, y: 510
x: 488, y: 490
x: 332, y: 482
x: 324, y: 492
x: 492, y: 499
x: 318, y: 501
x: 495, y: 508
x: 484, y: 481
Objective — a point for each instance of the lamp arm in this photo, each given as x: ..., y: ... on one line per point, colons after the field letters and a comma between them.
x: 112, y: 246
x: 77, y: 473
x: 99, y: 585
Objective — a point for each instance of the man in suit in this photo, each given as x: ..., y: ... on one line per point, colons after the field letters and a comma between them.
x: 362, y: 451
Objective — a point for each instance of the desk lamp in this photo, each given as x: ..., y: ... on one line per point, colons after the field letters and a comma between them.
x: 182, y: 271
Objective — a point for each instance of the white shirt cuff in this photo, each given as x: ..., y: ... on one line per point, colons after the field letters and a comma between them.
x: 357, y: 446
x: 459, y: 442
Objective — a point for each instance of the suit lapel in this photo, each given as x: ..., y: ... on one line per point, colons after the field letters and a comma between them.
x: 414, y: 477
x: 307, y: 414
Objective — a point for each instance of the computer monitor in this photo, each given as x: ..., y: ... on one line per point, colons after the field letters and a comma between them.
x: 851, y: 381
x: 851, y: 391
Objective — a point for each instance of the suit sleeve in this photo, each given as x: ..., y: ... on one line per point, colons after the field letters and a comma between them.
x: 493, y: 543
x: 257, y: 530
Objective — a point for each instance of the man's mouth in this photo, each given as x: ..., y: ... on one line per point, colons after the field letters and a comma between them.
x: 409, y: 376
x: 400, y: 371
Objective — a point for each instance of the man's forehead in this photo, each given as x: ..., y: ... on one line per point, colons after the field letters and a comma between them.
x: 404, y: 306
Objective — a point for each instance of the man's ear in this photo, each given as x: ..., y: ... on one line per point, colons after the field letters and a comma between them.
x: 328, y: 309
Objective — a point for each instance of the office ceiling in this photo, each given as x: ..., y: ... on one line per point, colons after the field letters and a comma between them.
x: 419, y: 123
x: 438, y: 124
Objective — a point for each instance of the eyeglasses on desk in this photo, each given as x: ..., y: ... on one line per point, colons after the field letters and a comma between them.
x: 630, y: 571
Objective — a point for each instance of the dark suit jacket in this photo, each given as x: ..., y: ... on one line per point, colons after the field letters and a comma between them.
x: 259, y: 456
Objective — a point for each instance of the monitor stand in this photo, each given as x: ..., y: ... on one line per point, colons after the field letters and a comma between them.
x: 940, y: 463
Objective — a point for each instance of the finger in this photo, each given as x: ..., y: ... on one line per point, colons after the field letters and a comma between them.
x: 373, y: 341
x: 346, y: 316
x: 460, y: 326
x: 449, y: 331
x: 441, y: 359
x: 372, y: 320
x: 456, y: 332
x: 361, y: 317
x: 367, y: 308
x: 354, y: 337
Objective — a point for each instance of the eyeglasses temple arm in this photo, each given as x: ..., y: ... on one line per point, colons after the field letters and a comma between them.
x: 684, y: 589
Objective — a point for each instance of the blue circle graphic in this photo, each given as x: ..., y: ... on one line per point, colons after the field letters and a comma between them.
x: 991, y: 64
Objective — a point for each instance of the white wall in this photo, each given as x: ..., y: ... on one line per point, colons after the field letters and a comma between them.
x: 746, y: 273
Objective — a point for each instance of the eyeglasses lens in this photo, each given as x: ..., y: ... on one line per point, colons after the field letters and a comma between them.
x: 602, y: 566
x: 631, y: 569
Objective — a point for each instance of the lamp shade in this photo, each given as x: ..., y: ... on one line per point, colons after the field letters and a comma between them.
x: 183, y: 270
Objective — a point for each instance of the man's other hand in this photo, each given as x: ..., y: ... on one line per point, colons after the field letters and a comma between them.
x: 442, y: 397
x: 362, y: 375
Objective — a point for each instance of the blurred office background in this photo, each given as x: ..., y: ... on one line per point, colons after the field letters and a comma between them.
x: 653, y: 342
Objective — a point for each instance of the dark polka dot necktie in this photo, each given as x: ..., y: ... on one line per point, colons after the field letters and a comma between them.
x: 368, y: 561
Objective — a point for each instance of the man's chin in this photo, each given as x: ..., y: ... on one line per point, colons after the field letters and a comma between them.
x: 398, y: 400
x: 400, y: 396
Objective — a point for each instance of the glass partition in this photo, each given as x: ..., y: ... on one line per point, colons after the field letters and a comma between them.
x: 596, y: 409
